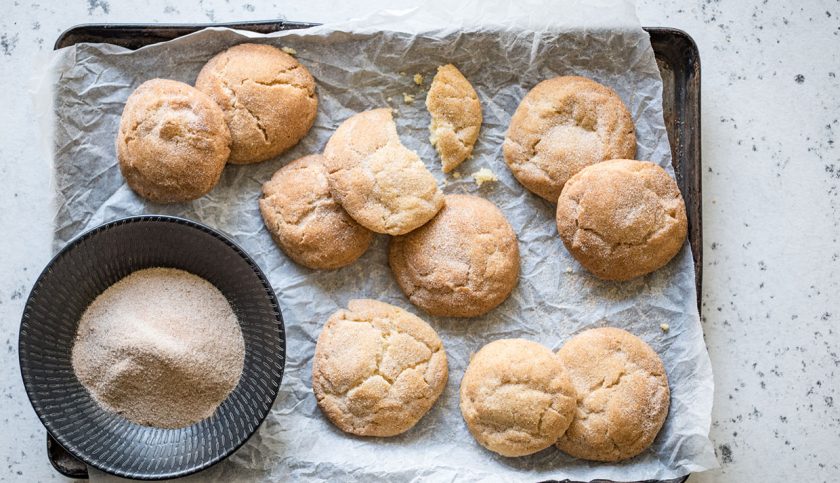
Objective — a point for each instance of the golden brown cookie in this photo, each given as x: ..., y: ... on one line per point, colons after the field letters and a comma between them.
x: 563, y: 125
x: 622, y: 219
x: 382, y: 184
x: 622, y: 395
x: 377, y: 369
x: 306, y: 222
x: 463, y: 263
x: 172, y: 143
x: 456, y: 116
x: 268, y: 98
x: 516, y: 397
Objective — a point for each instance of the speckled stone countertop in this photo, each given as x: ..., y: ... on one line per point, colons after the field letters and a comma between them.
x: 771, y: 186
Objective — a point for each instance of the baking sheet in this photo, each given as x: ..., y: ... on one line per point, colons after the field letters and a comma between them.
x: 357, y: 65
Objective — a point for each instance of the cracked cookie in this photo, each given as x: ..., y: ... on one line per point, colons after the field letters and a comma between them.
x: 306, y: 222
x: 382, y: 184
x: 622, y: 219
x: 516, y: 397
x: 172, y: 142
x: 268, y: 98
x: 456, y: 116
x: 563, y: 125
x: 623, y: 395
x: 377, y: 369
x: 463, y: 263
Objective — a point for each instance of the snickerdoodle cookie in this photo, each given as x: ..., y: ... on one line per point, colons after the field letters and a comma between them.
x: 463, y: 263
x: 382, y: 184
x: 172, y: 143
x: 305, y: 220
x: 456, y: 116
x: 268, y: 98
x: 377, y: 369
x: 622, y: 219
x: 563, y: 125
x: 622, y: 395
x: 516, y: 397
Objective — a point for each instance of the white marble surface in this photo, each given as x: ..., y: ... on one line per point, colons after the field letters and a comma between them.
x: 771, y: 185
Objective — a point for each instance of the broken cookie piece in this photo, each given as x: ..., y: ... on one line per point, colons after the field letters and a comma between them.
x: 484, y: 175
x: 456, y: 116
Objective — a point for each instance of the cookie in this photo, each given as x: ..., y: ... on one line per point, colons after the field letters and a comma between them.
x: 622, y: 395
x: 268, y: 98
x: 622, y: 219
x: 306, y: 222
x: 516, y: 397
x: 563, y: 125
x: 377, y: 369
x: 382, y: 184
x: 456, y: 116
x: 463, y: 263
x: 172, y: 142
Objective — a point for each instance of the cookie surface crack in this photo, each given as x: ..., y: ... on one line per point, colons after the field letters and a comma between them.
x: 236, y: 106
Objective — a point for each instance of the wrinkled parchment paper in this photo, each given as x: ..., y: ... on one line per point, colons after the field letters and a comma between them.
x: 357, y: 66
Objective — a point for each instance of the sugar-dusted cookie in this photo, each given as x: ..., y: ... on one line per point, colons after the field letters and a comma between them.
x: 563, y: 125
x: 377, y: 369
x: 172, y: 142
x: 622, y: 394
x: 382, y: 184
x: 268, y: 98
x: 622, y: 219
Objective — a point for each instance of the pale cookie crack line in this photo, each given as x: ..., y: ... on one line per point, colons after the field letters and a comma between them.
x: 390, y: 211
x: 395, y: 329
x: 499, y: 428
x: 279, y: 83
x: 236, y: 106
x: 630, y: 368
x: 310, y: 91
x: 310, y: 212
x: 377, y: 371
x: 566, y: 120
x: 602, y: 236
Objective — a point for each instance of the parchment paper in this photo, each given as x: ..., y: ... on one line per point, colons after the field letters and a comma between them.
x: 357, y: 66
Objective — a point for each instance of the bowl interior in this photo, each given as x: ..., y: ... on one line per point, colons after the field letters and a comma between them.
x: 84, y: 269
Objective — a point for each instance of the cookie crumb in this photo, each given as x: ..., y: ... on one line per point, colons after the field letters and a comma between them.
x: 389, y: 99
x: 665, y: 327
x: 403, y: 73
x: 289, y: 50
x: 484, y: 175
x: 418, y: 79
x: 408, y: 98
x: 456, y: 175
x: 569, y: 270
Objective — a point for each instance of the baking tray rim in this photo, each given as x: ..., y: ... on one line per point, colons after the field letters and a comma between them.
x: 280, y: 24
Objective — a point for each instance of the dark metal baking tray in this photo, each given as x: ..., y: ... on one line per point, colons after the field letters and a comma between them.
x: 676, y: 55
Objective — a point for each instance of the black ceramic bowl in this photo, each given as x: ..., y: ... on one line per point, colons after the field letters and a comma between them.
x: 85, y: 268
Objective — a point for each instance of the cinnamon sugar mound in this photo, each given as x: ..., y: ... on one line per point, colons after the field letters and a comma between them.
x: 161, y: 347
